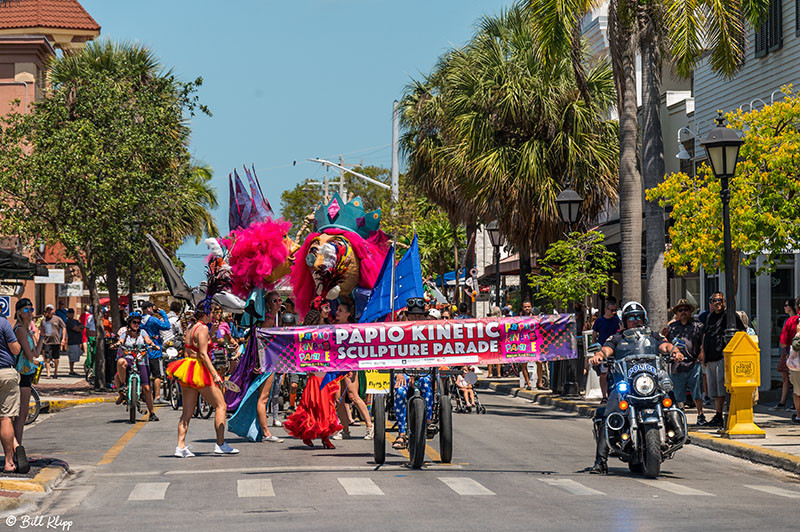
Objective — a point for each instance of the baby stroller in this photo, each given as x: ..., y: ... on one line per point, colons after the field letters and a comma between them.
x: 457, y: 398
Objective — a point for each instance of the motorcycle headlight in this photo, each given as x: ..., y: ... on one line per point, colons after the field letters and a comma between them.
x: 644, y: 384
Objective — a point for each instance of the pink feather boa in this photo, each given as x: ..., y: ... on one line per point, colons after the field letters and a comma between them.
x: 370, y: 252
x: 255, y: 253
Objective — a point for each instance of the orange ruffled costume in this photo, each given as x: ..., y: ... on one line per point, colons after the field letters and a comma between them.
x: 190, y: 372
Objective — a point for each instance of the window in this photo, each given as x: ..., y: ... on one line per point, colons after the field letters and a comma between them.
x: 769, y: 36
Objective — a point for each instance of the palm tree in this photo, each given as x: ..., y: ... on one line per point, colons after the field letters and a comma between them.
x: 192, y: 210
x: 682, y: 32
x: 505, y: 135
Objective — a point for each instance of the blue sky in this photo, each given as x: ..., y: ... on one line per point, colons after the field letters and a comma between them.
x: 288, y: 80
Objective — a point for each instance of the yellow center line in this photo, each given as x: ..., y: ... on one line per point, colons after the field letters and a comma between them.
x: 123, y: 441
x: 432, y: 454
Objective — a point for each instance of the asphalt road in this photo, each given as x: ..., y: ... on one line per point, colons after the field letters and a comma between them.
x: 520, y: 466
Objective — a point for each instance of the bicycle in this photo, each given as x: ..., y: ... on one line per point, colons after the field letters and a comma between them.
x: 133, y: 390
x: 34, y: 406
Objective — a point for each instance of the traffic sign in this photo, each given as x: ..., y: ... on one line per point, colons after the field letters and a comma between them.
x: 5, y: 306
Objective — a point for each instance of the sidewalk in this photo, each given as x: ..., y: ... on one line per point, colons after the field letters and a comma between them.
x: 68, y: 390
x: 781, y: 447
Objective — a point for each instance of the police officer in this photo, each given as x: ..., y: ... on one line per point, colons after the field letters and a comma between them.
x: 620, y: 345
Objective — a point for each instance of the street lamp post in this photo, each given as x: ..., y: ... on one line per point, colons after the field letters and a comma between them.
x: 497, y: 239
x: 569, y: 202
x: 722, y: 145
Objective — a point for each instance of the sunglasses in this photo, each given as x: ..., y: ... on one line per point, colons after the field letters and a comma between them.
x: 717, y: 300
x: 276, y: 301
x: 637, y: 317
x: 683, y: 309
x: 27, y: 310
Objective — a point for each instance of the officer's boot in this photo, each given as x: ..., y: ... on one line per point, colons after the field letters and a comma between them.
x: 675, y: 424
x: 600, y: 466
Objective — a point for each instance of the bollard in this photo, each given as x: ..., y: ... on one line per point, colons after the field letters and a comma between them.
x: 742, y: 378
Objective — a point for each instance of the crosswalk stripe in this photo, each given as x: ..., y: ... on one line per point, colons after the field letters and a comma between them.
x: 775, y: 491
x: 254, y: 487
x: 149, y: 491
x: 570, y: 486
x: 465, y: 486
x: 675, y: 488
x: 360, y: 486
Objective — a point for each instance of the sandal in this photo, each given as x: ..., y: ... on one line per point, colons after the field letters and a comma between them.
x: 23, y: 466
x: 355, y: 424
x: 400, y: 443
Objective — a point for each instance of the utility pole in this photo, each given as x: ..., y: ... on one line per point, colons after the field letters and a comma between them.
x: 395, y: 152
x: 342, y: 190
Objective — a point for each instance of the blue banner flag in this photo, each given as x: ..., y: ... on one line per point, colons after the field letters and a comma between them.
x: 408, y: 283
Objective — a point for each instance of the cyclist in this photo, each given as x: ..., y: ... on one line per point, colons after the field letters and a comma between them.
x: 130, y: 339
x: 416, y: 311
x: 153, y: 325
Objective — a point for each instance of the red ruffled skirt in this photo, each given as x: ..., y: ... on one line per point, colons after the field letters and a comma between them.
x: 315, y: 416
x: 190, y: 372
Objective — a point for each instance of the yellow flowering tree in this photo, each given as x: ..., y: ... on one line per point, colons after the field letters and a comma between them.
x: 765, y: 195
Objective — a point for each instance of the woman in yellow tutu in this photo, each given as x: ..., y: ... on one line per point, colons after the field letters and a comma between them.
x: 197, y: 375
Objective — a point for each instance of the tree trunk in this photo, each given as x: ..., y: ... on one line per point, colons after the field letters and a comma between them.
x: 99, y: 353
x: 524, y: 272
x: 623, y: 60
x: 455, y: 263
x: 112, y: 281
x: 653, y: 174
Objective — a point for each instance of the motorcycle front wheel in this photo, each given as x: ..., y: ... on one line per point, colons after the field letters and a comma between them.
x: 651, y: 465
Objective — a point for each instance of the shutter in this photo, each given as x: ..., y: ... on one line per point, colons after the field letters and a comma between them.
x: 760, y: 35
x: 775, y: 22
x: 797, y: 17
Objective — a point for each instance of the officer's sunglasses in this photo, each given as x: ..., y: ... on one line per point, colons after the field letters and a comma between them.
x: 637, y: 317
x: 718, y: 300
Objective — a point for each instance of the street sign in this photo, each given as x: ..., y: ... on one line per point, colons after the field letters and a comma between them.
x: 5, y: 306
x: 71, y: 289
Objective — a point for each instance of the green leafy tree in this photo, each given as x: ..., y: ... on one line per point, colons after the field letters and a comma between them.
x: 574, y: 269
x: 765, y: 196
x: 99, y: 159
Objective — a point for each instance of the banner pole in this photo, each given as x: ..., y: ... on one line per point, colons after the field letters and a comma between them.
x: 391, y: 286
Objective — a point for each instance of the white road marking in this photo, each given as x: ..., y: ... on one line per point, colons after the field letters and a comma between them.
x: 570, y: 486
x: 775, y: 491
x: 149, y: 491
x: 255, y: 487
x: 397, y: 466
x: 675, y: 488
x: 360, y: 486
x: 465, y: 486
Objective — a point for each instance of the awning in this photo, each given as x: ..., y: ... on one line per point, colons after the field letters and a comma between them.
x: 450, y: 278
x: 508, y: 266
x: 15, y: 266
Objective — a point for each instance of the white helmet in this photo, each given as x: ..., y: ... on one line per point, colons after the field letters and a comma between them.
x: 633, y: 308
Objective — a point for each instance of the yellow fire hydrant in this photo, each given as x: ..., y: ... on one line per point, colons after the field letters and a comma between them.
x: 742, y: 378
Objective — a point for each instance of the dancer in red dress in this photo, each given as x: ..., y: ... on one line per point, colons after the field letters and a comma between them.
x: 315, y: 416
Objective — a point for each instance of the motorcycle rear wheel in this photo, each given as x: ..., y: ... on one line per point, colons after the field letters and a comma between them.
x: 651, y: 465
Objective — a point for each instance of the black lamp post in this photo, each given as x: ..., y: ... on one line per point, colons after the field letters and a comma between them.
x: 722, y: 146
x: 497, y: 239
x: 569, y: 203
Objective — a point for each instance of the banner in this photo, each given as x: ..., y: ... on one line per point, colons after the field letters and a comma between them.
x: 420, y: 343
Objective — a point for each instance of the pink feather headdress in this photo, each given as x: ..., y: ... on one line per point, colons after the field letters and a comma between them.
x: 257, y: 252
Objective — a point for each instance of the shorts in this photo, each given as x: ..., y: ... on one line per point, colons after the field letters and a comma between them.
x: 74, y: 352
x: 691, y: 379
x: 715, y: 373
x: 9, y: 392
x: 156, y: 368
x: 794, y: 378
x: 26, y: 381
x: 144, y: 370
x: 52, y: 351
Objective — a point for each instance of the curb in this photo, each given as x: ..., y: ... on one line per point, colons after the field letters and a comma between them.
x: 739, y: 449
x: 43, y: 482
x: 54, y: 405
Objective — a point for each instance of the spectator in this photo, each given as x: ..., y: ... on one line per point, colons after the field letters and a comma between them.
x: 713, y: 347
x: 153, y: 325
x: 527, y: 310
x: 74, y: 340
x: 62, y: 310
x: 686, y: 334
x: 27, y: 368
x: 465, y: 387
x: 108, y: 326
x: 507, y: 312
x: 175, y: 331
x: 9, y: 400
x: 793, y: 363
x: 787, y: 334
x: 604, y: 327
x: 55, y: 339
x: 91, y: 335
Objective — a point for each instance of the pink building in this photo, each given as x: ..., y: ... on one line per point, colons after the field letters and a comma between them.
x: 31, y: 32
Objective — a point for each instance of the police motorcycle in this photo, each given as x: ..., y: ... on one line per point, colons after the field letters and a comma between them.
x: 641, y: 424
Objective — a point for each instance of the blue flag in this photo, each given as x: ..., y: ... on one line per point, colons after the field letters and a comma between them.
x: 408, y: 283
